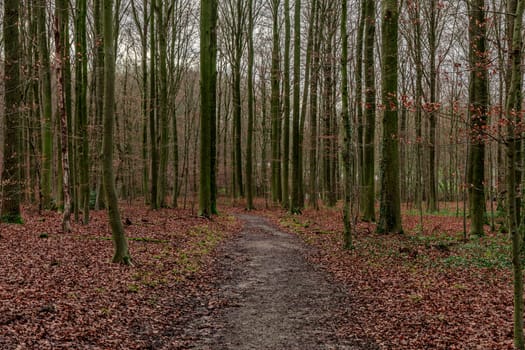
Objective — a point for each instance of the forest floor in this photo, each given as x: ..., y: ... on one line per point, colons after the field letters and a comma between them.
x: 61, y: 291
x: 426, y: 289
x: 268, y: 280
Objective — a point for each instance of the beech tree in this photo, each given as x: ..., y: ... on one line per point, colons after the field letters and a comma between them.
x: 208, y: 72
x: 347, y: 145
x: 10, y: 210
x: 478, y: 109
x: 390, y: 206
x: 516, y: 228
x: 296, y: 205
x: 122, y: 255
x: 368, y: 173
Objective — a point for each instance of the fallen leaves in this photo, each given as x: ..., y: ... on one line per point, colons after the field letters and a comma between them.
x: 416, y: 291
x: 60, y: 291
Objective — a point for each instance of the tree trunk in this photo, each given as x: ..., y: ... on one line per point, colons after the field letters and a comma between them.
x: 99, y: 100
x: 251, y: 97
x: 368, y: 197
x: 313, y: 110
x: 154, y: 204
x: 10, y: 210
x: 516, y: 233
x: 122, y: 255
x: 64, y: 139
x: 296, y: 206
x: 359, y: 98
x: 390, y: 205
x: 208, y: 64
x: 45, y: 76
x: 275, y: 106
x: 162, y: 22
x: 432, y: 181
x: 347, y: 145
x: 478, y: 99
x: 81, y: 80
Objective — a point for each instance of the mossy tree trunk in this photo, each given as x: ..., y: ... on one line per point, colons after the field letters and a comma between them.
x: 479, y: 100
x: 347, y: 145
x: 47, y: 109
x: 359, y: 97
x: 81, y: 81
x: 208, y: 71
x: 368, y: 188
x: 10, y: 210
x: 512, y: 107
x: 390, y: 205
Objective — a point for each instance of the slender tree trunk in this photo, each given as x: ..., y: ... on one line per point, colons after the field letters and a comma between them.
x: 296, y: 206
x: 81, y: 81
x: 286, y: 107
x: 99, y: 100
x: 359, y: 99
x: 154, y: 204
x: 45, y: 76
x: 432, y: 181
x: 313, y: 110
x: 66, y: 218
x: 347, y: 220
x: 304, y: 106
x: 162, y: 20
x: 251, y: 97
x: 275, y: 106
x: 122, y: 255
x: 368, y: 198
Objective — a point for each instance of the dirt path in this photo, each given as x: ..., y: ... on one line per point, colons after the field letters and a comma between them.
x: 270, y: 297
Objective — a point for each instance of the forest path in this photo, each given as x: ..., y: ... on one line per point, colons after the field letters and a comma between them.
x: 270, y: 297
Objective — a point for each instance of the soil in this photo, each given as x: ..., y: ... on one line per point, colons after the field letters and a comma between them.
x: 268, y: 296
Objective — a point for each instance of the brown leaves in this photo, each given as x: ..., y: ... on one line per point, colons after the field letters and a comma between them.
x: 404, y: 295
x: 62, y: 292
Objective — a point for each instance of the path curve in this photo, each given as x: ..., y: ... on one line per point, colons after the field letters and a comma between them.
x: 270, y: 297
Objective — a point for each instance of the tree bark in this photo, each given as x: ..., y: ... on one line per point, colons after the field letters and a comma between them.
x: 64, y: 138
x: 122, y: 255
x: 251, y: 97
x: 478, y: 96
x: 296, y: 206
x: 275, y: 106
x: 347, y: 145
x: 368, y: 197
x: 10, y: 210
x: 390, y: 205
x: 515, y: 231
x: 208, y: 64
